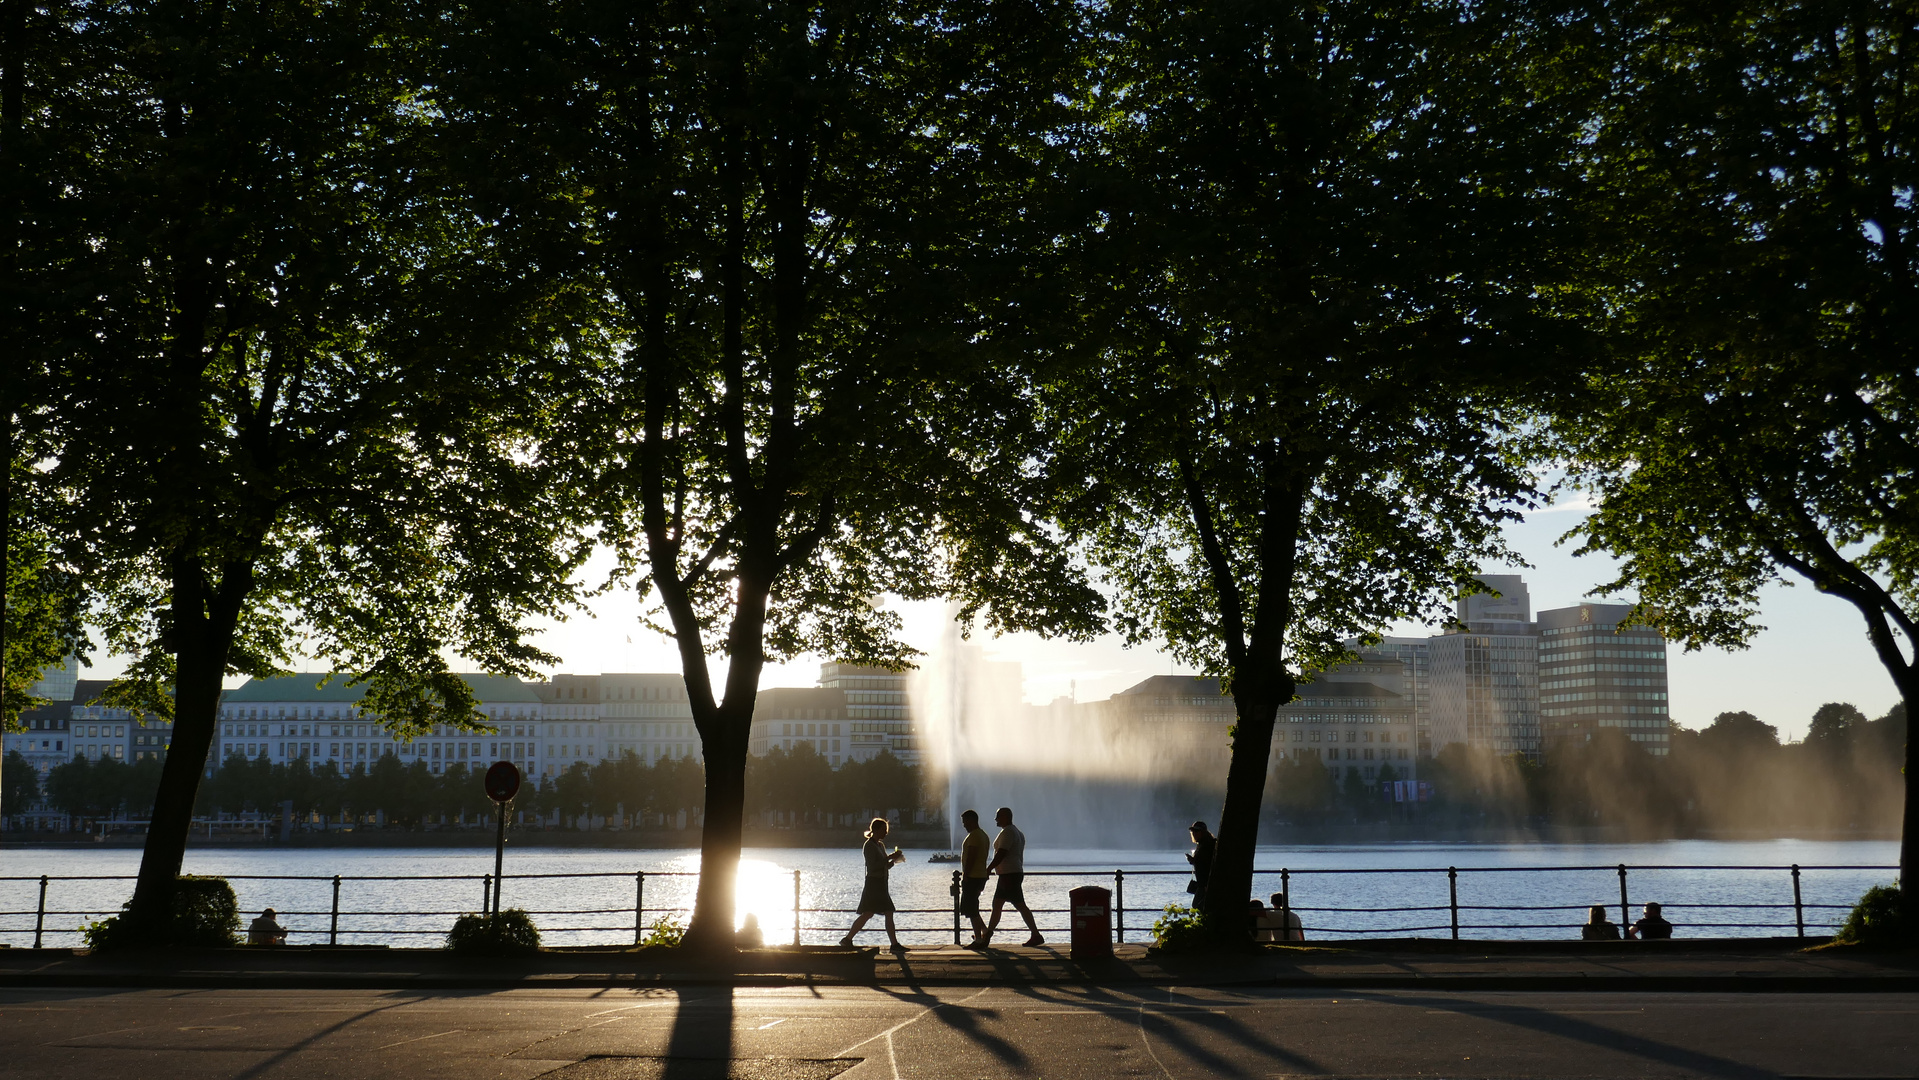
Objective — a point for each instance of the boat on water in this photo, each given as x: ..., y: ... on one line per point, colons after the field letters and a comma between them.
x: 943, y: 856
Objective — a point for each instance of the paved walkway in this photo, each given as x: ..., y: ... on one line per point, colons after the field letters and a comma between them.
x: 1055, y: 1032
x: 1621, y: 966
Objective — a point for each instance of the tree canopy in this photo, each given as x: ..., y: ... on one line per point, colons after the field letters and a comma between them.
x: 1316, y: 247
x: 299, y: 413
x: 786, y: 221
x: 1751, y: 173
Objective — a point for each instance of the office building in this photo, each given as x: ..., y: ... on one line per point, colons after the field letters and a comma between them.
x: 1596, y: 671
x: 1485, y: 673
x: 879, y: 715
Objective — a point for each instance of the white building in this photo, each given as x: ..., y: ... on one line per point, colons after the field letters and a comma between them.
x: 317, y: 717
x: 594, y: 718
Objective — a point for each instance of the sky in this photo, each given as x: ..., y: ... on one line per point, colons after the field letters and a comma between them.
x: 1813, y: 651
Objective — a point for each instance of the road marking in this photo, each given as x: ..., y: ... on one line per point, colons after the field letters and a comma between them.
x: 773, y: 1023
x: 921, y: 1015
x: 95, y: 1035
x: 1148, y: 1044
x: 421, y: 1038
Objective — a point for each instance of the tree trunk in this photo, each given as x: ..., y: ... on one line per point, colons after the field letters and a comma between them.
x: 1909, y: 819
x: 722, y: 833
x: 203, y: 626
x: 1231, y: 884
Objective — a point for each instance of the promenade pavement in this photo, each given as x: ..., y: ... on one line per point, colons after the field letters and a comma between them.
x: 894, y: 1032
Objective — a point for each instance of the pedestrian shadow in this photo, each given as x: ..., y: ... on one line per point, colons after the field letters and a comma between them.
x: 1577, y: 1030
x: 958, y: 1019
x: 1167, y: 1027
x: 702, y: 1034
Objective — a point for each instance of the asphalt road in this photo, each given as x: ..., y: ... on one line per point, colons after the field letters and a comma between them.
x: 865, y: 1033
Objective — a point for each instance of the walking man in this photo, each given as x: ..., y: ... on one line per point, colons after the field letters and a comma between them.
x: 973, y: 874
x: 1009, y: 862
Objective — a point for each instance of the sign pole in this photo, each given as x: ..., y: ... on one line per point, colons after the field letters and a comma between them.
x: 499, y: 860
x: 502, y: 783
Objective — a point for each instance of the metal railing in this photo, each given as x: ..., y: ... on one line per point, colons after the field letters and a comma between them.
x: 337, y: 925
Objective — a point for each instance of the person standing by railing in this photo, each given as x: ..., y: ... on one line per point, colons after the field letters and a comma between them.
x: 1202, y: 859
x: 876, y: 898
x: 973, y: 876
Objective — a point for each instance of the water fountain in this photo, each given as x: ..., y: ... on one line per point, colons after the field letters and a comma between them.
x: 1073, y: 776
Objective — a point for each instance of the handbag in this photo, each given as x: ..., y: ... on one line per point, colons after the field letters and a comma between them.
x: 1192, y: 888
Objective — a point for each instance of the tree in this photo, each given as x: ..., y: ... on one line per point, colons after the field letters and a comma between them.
x: 20, y: 785
x: 1833, y: 725
x: 1740, y: 731
x: 1752, y: 168
x: 784, y: 219
x: 296, y: 409
x: 1311, y: 276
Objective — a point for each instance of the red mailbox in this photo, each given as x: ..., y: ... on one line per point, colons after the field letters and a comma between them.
x: 1092, y: 909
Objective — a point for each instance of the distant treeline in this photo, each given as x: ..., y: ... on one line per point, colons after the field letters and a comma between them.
x: 1734, y: 774
x: 791, y: 788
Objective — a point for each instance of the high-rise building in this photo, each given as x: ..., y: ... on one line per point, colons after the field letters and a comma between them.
x: 1596, y: 671
x: 878, y: 714
x: 1417, y: 683
x: 1485, y: 673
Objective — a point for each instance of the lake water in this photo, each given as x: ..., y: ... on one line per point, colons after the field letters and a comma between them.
x: 424, y: 888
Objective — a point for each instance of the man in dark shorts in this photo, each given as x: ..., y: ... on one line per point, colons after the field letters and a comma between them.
x: 973, y: 874
x: 1009, y: 862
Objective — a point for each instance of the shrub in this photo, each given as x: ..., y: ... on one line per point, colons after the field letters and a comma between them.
x: 206, y: 915
x: 665, y: 933
x: 1878, y: 919
x: 500, y: 934
x: 1181, y: 929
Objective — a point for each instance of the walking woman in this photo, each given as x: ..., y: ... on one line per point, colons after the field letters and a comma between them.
x: 875, y: 898
x: 1202, y: 859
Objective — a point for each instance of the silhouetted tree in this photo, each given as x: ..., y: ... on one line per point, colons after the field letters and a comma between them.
x: 1755, y: 259
x: 1312, y: 275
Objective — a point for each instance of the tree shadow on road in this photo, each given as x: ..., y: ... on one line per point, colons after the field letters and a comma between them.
x: 1577, y: 1030
x: 702, y: 1034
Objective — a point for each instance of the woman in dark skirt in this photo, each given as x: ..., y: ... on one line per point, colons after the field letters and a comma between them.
x: 875, y: 898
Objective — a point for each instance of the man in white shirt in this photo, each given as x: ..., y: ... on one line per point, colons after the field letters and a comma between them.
x: 1009, y: 862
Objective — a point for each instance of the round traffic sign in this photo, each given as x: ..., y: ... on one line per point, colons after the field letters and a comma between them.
x: 502, y: 781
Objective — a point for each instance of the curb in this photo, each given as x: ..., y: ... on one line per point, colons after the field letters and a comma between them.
x: 1738, y: 984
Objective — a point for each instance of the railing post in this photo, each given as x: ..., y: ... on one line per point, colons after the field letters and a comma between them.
x: 1119, y: 903
x: 796, y: 909
x: 1625, y: 918
x: 1799, y: 906
x: 486, y: 895
x: 1452, y: 887
x: 1286, y: 905
x: 40, y: 917
x: 333, y: 928
x: 639, y: 904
